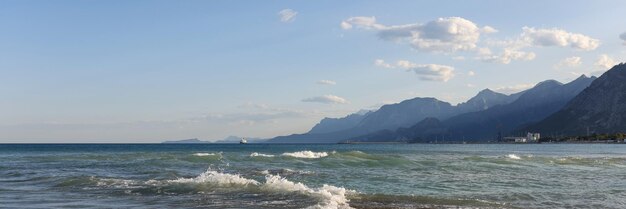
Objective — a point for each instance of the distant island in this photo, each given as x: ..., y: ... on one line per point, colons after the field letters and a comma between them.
x: 227, y: 140
x: 185, y: 141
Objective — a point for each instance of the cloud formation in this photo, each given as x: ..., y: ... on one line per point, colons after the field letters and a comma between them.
x: 426, y: 72
x: 623, y: 37
x: 287, y: 15
x: 327, y: 99
x: 507, y: 56
x: 383, y: 64
x: 569, y: 62
x: 447, y: 35
x: 605, y: 62
x: 326, y: 82
x: 514, y: 88
x: 558, y: 37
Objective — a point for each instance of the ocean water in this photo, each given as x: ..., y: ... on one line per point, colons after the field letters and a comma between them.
x: 313, y: 176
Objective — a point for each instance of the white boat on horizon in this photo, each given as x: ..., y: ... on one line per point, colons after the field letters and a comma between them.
x: 243, y: 141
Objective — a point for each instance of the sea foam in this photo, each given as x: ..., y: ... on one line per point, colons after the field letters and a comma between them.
x: 217, y: 178
x: 513, y: 156
x: 202, y: 154
x: 256, y: 154
x: 305, y: 154
x: 328, y: 196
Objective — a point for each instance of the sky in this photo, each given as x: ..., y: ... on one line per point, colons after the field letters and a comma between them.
x: 148, y: 71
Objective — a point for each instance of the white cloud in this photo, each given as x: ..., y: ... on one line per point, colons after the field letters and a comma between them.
x: 471, y: 73
x: 367, y: 23
x: 433, y: 72
x: 326, y: 82
x: 445, y: 35
x: 514, y: 88
x: 287, y: 15
x: 569, y: 62
x: 489, y: 29
x: 508, y: 55
x: 426, y: 72
x: 469, y: 85
x: 327, y: 99
x: 605, y: 62
x: 623, y: 37
x: 382, y: 63
x: 558, y: 37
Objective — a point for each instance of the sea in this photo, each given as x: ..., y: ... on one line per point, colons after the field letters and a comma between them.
x: 312, y: 176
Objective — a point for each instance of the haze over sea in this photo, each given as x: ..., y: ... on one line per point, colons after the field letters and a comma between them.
x: 313, y: 176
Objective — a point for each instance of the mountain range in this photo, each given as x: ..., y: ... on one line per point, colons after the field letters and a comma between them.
x: 392, y: 117
x: 490, y: 124
x: 585, y: 105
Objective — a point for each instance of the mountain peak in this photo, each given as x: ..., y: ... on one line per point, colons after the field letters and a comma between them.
x: 487, y: 91
x: 550, y: 82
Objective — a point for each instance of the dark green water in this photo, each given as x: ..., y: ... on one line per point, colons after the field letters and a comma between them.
x: 313, y: 176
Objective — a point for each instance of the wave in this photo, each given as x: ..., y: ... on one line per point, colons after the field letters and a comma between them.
x: 256, y: 154
x: 203, y: 154
x: 306, y: 154
x: 328, y: 196
x: 217, y: 178
x: 513, y: 156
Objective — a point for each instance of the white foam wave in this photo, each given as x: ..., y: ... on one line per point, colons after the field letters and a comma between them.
x: 306, y: 154
x: 256, y: 154
x: 203, y: 154
x: 217, y: 178
x: 329, y: 196
x: 513, y: 156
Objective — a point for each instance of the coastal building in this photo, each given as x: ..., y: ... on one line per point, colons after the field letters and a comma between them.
x: 515, y: 139
x: 532, y: 137
x: 529, y: 138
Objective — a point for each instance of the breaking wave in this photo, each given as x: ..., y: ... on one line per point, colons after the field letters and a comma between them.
x: 256, y: 154
x: 328, y: 196
x: 203, y: 154
x: 306, y: 154
x: 324, y: 197
x: 217, y: 178
x: 513, y: 156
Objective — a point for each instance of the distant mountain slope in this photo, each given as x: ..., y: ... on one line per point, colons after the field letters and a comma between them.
x: 394, y: 116
x: 328, y: 125
x: 484, y: 100
x: 533, y: 105
x: 601, y: 108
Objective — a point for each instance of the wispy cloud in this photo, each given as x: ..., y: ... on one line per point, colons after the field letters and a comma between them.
x: 327, y: 99
x: 426, y: 72
x: 287, y: 15
x: 326, y: 82
x: 570, y: 62
x: 514, y: 88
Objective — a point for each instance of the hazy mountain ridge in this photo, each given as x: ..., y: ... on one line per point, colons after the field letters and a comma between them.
x: 394, y: 116
x: 601, y: 108
x: 532, y: 105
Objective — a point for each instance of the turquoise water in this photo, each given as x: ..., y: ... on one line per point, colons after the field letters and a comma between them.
x: 313, y: 176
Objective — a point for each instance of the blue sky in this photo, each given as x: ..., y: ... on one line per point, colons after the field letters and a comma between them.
x: 148, y: 71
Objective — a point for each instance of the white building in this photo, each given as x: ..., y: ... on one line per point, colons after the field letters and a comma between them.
x: 532, y: 137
